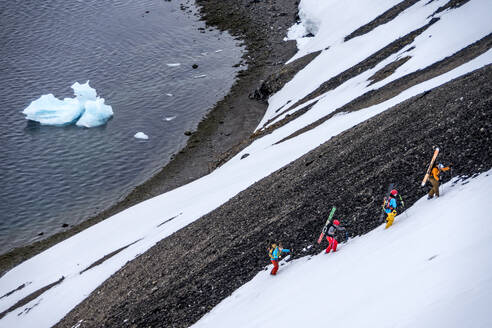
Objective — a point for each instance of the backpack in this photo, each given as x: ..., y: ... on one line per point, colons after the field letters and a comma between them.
x: 387, y: 203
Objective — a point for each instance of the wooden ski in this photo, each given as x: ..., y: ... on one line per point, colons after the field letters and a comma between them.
x: 426, y: 177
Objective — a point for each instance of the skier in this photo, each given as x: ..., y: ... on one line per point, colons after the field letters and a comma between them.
x: 434, y: 179
x: 330, y: 236
x: 390, y: 208
x: 275, y: 252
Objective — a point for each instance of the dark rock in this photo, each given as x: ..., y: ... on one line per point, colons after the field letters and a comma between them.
x: 195, y: 66
x: 245, y: 155
x: 188, y: 133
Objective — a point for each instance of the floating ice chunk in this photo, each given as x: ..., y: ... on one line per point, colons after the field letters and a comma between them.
x: 174, y: 64
x: 87, y: 109
x: 199, y: 76
x: 220, y: 50
x: 50, y: 110
x: 84, y: 92
x: 169, y: 94
x: 170, y: 118
x: 203, y: 53
x: 141, y: 135
x: 96, y: 113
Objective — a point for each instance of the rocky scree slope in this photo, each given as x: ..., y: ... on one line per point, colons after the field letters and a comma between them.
x: 188, y: 273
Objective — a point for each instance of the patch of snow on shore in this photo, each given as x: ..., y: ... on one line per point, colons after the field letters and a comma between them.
x: 331, y: 20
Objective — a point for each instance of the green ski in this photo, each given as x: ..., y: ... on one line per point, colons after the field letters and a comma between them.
x: 326, y: 224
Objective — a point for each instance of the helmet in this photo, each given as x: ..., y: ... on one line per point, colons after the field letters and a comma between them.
x: 336, y: 222
x: 393, y: 192
x: 440, y: 166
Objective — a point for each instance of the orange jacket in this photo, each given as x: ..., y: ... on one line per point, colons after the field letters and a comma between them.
x: 435, y: 172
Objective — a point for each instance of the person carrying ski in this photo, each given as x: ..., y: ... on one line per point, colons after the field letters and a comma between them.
x: 275, y: 252
x: 434, y: 179
x: 390, y: 208
x: 330, y: 236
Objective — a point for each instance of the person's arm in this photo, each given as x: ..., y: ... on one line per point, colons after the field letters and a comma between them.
x: 445, y: 169
x: 285, y: 250
x: 340, y: 228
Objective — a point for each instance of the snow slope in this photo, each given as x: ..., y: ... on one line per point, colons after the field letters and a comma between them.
x: 432, y: 268
x: 133, y: 231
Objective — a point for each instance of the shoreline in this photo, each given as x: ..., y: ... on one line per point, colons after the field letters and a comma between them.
x: 222, y: 131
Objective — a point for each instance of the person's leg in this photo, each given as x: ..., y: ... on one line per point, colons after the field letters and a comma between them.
x: 335, y: 243
x: 435, y: 187
x: 328, y: 249
x: 390, y: 219
x: 275, y: 267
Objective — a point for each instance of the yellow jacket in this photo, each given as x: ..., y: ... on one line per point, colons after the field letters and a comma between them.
x: 435, y: 172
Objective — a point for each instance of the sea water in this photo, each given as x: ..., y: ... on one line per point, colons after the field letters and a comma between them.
x: 138, y: 55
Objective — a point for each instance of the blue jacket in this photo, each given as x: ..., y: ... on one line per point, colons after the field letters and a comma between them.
x: 392, y: 205
x: 276, y: 252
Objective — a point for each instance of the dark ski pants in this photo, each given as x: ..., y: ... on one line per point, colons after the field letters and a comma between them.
x: 275, y: 267
x: 332, y: 243
x: 435, y: 187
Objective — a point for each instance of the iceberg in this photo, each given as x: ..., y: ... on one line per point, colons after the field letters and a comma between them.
x: 96, y: 113
x: 50, y: 110
x: 84, y: 92
x: 86, y: 109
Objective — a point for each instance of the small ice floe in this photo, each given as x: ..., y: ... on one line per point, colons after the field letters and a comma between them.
x: 204, y: 53
x: 86, y: 109
x: 200, y: 76
x: 169, y: 94
x: 220, y: 50
x: 169, y: 118
x: 141, y: 135
x: 174, y: 64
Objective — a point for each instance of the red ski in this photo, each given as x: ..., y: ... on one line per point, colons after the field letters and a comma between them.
x: 436, y: 152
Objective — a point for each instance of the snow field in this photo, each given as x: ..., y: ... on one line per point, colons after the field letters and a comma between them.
x: 455, y: 30
x: 432, y: 268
